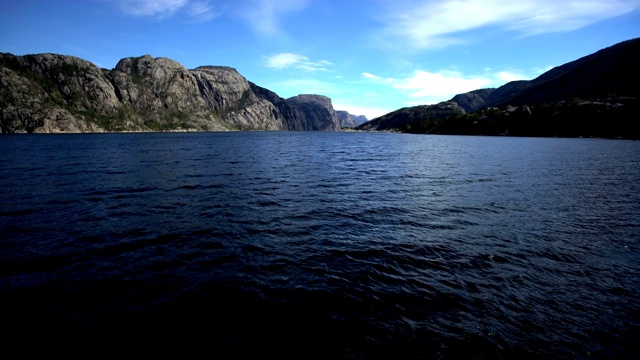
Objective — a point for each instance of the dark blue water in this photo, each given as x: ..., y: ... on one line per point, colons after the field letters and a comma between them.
x: 322, y: 244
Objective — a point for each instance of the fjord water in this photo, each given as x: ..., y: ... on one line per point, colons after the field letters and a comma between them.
x: 308, y: 243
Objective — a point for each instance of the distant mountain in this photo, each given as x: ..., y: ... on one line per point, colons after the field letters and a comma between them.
x: 596, y: 95
x: 350, y: 121
x: 57, y: 93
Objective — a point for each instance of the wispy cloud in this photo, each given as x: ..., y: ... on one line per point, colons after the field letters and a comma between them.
x: 264, y: 15
x: 295, y: 61
x: 422, y: 24
x: 162, y: 9
x: 202, y: 11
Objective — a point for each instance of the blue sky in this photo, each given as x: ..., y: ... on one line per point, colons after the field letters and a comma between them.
x: 370, y: 57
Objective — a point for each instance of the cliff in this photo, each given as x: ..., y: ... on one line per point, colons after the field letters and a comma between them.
x: 317, y: 109
x: 293, y: 118
x: 350, y: 121
x: 56, y: 93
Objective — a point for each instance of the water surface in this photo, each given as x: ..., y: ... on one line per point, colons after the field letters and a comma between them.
x: 306, y: 243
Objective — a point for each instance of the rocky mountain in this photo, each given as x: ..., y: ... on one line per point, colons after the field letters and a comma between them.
x: 350, y: 121
x: 596, y: 95
x: 56, y: 93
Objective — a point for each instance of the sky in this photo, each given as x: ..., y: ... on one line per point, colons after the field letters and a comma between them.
x: 370, y: 57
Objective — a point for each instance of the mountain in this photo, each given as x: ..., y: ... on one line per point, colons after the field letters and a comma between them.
x: 57, y: 93
x: 596, y: 95
x: 350, y: 121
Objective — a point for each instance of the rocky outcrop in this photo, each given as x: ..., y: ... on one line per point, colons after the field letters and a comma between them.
x: 318, y: 110
x: 348, y: 120
x: 56, y: 93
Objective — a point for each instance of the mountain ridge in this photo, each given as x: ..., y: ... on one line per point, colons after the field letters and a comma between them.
x: 574, y: 99
x: 59, y: 93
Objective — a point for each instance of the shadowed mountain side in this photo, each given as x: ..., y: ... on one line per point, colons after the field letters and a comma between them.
x: 612, y: 71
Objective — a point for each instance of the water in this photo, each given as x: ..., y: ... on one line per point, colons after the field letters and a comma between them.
x: 303, y: 244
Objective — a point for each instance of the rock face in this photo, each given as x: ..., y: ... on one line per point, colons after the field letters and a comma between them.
x: 350, y: 121
x: 318, y: 110
x: 56, y: 93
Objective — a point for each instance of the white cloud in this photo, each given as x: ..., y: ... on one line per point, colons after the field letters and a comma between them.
x: 161, y: 9
x: 296, y: 61
x: 443, y: 83
x: 264, y: 15
x: 426, y: 87
x: 507, y: 76
x: 422, y: 24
